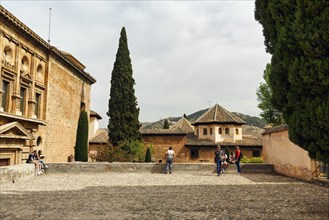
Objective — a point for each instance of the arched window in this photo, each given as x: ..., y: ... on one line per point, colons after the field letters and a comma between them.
x: 40, y: 73
x: 205, y: 131
x: 236, y: 131
x: 210, y: 131
x: 227, y: 130
x: 25, y: 64
x: 8, y: 54
x: 220, y: 130
x: 39, y: 141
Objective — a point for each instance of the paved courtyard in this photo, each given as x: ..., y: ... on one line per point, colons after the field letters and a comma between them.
x: 160, y: 196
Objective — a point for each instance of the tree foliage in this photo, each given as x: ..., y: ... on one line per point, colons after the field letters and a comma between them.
x: 297, y: 35
x: 81, y: 144
x: 148, y: 156
x: 166, y: 124
x: 125, y: 151
x: 122, y: 109
x: 264, y: 97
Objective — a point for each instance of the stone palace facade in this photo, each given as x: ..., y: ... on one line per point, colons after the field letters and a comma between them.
x: 42, y: 91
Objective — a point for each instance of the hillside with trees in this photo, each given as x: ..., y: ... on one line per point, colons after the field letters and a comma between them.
x: 252, y: 121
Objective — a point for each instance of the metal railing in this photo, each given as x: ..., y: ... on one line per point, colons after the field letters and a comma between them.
x: 321, y: 168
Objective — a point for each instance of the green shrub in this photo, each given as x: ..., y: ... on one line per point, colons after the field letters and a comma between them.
x: 244, y: 159
x: 127, y: 152
x: 81, y: 144
x: 103, y: 153
x: 252, y: 160
x: 256, y: 160
x: 148, y: 155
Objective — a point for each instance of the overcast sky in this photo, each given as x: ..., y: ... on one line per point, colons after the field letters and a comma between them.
x: 186, y: 55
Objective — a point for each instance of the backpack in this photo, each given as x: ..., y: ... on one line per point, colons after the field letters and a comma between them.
x: 241, y: 155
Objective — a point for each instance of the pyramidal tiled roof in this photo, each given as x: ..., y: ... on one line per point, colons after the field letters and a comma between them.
x: 101, y: 136
x: 218, y: 114
x: 184, y: 125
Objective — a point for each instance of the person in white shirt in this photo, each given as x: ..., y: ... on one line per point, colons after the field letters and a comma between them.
x: 170, y: 157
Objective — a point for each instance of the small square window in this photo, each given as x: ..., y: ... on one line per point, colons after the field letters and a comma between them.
x: 255, y: 153
x: 194, y: 153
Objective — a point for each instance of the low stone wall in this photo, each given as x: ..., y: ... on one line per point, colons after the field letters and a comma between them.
x: 77, y: 167
x: 12, y: 173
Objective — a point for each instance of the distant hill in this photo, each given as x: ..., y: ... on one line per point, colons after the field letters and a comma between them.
x: 250, y: 120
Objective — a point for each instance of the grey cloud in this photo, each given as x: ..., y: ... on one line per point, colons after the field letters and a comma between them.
x: 184, y: 54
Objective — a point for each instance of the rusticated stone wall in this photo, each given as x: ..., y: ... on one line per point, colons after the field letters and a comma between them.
x: 66, y: 93
x: 43, y: 90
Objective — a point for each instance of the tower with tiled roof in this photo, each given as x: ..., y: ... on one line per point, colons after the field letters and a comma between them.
x: 218, y: 125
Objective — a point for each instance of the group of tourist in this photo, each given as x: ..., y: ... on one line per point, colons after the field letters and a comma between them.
x: 220, y: 160
x: 37, y: 158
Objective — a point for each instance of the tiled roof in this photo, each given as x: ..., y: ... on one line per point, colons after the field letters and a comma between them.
x: 162, y: 132
x: 247, y: 140
x: 184, y: 125
x: 218, y: 114
x: 101, y: 137
x: 278, y: 128
x: 95, y: 114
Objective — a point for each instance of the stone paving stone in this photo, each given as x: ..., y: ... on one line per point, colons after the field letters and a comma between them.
x: 200, y: 195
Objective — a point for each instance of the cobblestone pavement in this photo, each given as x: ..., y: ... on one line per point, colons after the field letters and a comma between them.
x: 160, y: 196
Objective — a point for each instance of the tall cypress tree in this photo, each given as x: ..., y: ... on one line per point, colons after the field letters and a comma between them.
x: 166, y: 124
x: 123, y: 111
x: 81, y: 144
x: 296, y: 34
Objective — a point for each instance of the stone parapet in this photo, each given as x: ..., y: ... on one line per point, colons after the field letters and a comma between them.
x: 12, y: 173
x: 79, y: 167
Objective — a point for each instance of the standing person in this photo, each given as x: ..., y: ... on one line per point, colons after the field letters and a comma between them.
x: 218, y: 159
x: 170, y: 157
x: 237, y: 159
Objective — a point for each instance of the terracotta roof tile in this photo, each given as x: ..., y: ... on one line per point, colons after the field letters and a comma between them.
x: 101, y: 136
x: 278, y: 128
x: 184, y: 125
x: 218, y: 114
x: 95, y: 114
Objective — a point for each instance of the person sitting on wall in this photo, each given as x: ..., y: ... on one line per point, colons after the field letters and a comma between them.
x: 224, y: 162
x: 40, y: 158
x: 232, y: 158
x: 33, y: 159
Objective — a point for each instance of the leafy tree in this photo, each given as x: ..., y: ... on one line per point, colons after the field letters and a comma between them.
x: 125, y: 151
x: 81, y: 144
x: 264, y: 97
x: 122, y: 109
x: 296, y: 34
x: 166, y: 124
